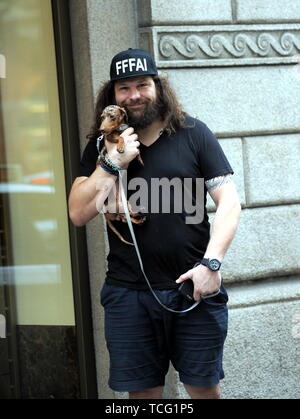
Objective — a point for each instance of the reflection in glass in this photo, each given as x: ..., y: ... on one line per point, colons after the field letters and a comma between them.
x: 31, y: 165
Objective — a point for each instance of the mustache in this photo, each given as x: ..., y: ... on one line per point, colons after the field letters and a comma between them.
x: 150, y: 113
x: 135, y: 102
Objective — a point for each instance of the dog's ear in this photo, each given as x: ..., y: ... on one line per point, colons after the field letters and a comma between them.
x: 124, y: 113
x: 102, y: 115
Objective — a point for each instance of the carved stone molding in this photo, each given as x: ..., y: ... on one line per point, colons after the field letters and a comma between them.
x: 202, y: 46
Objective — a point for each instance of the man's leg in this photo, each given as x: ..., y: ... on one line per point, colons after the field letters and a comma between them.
x: 198, y: 347
x: 150, y: 393
x: 135, y: 339
x: 212, y: 392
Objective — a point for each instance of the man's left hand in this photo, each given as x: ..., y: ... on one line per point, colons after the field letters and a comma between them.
x: 205, y: 281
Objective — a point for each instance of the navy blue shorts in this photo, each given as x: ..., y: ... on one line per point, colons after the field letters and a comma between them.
x: 142, y: 338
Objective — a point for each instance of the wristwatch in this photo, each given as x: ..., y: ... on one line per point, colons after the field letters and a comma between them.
x: 212, y: 264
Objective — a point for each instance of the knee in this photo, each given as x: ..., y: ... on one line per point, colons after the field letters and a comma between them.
x: 150, y: 393
x: 212, y: 392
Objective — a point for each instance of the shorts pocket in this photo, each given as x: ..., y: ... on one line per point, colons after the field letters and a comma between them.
x: 111, y: 295
x: 219, y: 299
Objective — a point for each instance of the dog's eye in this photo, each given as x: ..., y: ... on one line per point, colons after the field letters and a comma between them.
x: 112, y: 117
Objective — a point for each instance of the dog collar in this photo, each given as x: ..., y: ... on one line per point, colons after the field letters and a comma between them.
x: 122, y: 127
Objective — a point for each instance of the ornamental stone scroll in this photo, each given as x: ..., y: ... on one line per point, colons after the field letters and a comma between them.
x: 226, y: 45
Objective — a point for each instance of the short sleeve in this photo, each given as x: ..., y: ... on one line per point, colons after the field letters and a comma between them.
x: 211, y: 156
x: 88, y: 159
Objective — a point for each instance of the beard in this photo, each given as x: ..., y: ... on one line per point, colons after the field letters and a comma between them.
x: 141, y: 120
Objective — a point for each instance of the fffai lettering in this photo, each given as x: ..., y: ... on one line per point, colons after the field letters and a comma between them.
x: 131, y: 64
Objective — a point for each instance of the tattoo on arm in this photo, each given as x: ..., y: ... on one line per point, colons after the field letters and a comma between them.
x: 218, y: 181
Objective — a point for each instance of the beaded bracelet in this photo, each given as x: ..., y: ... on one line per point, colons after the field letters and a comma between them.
x: 107, y: 169
x: 109, y: 163
x: 108, y: 166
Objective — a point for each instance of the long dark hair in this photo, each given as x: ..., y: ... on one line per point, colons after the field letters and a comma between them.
x: 170, y: 108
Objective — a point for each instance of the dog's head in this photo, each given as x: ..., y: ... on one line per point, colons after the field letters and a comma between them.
x: 112, y: 118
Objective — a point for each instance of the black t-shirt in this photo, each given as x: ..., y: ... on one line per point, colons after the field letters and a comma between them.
x: 168, y: 245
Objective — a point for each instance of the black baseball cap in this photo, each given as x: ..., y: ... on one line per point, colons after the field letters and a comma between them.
x: 132, y: 63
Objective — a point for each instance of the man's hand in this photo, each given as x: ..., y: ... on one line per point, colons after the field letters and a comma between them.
x: 130, y: 152
x: 205, y: 281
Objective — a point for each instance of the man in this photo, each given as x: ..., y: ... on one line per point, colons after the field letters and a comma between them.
x: 142, y: 337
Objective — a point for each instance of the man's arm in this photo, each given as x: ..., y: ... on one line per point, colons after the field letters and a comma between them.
x: 88, y: 194
x: 224, y: 194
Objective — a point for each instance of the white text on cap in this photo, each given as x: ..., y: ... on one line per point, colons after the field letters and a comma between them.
x: 132, y: 64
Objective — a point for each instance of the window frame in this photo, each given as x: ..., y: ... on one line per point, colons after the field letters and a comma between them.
x: 77, y: 236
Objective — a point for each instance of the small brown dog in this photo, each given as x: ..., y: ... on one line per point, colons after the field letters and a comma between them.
x: 113, y: 123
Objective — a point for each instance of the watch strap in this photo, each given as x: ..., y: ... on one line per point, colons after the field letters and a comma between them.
x: 207, y: 262
x: 204, y: 262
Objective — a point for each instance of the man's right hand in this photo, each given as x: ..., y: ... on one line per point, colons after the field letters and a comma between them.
x: 131, y: 149
x: 88, y: 194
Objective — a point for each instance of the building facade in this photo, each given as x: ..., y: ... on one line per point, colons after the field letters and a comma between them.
x: 235, y: 65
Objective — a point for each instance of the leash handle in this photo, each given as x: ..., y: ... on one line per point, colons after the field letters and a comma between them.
x: 127, y: 215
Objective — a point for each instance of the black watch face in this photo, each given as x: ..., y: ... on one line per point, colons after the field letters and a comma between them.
x: 214, y: 265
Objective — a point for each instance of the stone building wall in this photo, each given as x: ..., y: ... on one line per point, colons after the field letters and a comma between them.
x: 235, y: 64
